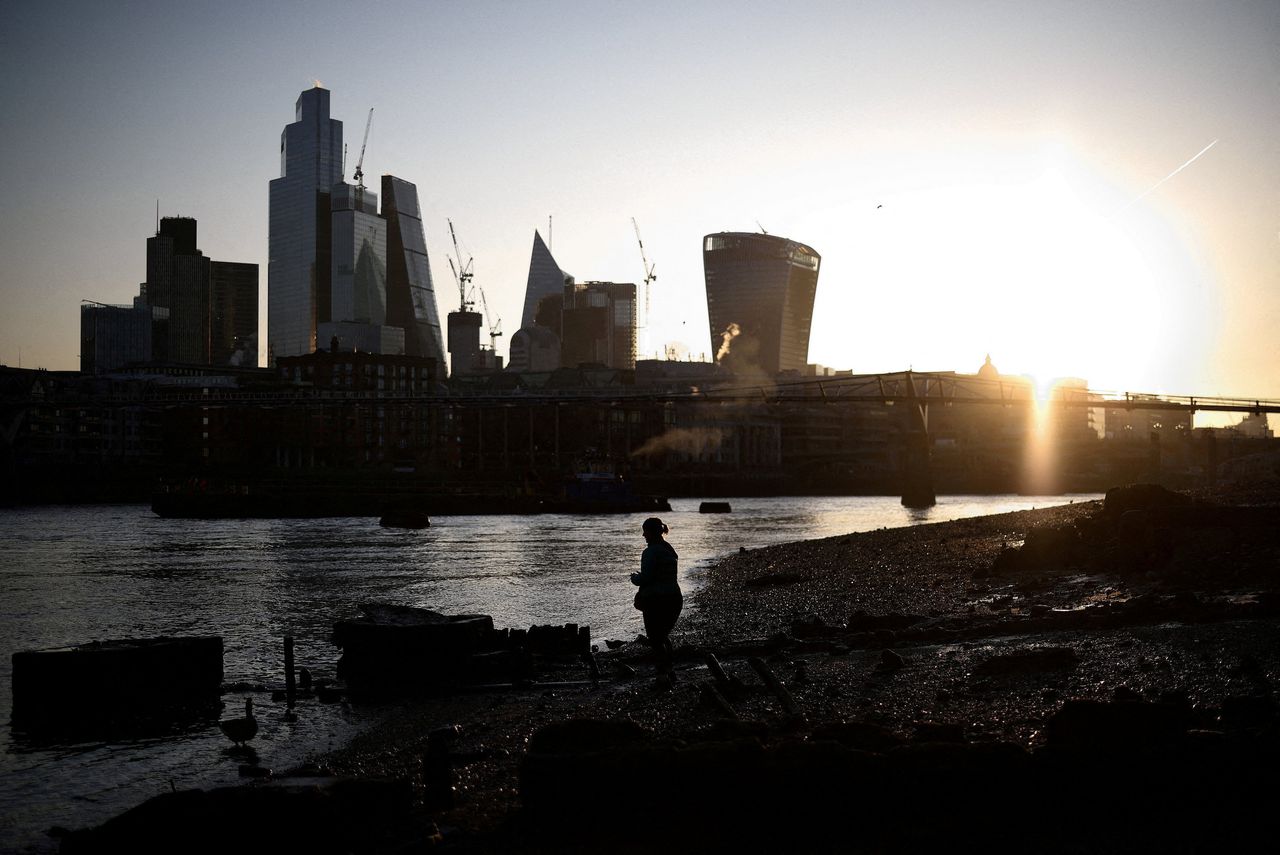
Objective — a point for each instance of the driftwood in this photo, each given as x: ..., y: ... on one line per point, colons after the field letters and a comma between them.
x: 775, y: 685
x: 727, y: 683
x: 712, y: 696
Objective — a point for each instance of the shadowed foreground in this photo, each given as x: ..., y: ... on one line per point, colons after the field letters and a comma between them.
x: 1089, y: 678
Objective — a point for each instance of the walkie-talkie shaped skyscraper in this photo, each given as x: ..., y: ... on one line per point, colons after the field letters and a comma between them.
x: 760, y: 291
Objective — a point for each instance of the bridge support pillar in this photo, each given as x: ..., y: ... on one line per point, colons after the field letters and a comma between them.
x: 917, y: 475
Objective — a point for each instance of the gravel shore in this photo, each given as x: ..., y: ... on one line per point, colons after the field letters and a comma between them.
x: 1035, y: 633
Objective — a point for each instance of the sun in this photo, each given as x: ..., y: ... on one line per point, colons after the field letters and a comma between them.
x: 1047, y: 268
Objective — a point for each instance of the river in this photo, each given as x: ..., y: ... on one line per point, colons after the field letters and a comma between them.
x: 70, y: 575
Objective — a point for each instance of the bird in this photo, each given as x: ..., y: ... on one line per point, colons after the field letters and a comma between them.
x: 241, y: 730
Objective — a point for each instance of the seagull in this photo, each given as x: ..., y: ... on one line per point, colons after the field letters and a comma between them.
x: 241, y: 730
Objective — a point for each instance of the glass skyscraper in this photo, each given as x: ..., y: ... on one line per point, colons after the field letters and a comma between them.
x: 760, y: 291
x: 545, y: 279
x: 298, y: 252
x: 411, y: 295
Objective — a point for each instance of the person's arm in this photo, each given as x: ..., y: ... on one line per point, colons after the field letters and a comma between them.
x: 645, y: 576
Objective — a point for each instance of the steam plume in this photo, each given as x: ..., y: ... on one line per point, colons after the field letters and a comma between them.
x: 729, y: 334
x: 691, y: 441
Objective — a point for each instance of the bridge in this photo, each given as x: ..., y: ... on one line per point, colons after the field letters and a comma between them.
x: 923, y: 389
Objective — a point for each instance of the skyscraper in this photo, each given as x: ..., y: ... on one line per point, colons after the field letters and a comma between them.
x: 598, y: 325
x: 233, y: 327
x: 411, y: 295
x: 298, y: 247
x: 545, y: 277
x: 358, y: 275
x: 178, y: 280
x: 760, y: 291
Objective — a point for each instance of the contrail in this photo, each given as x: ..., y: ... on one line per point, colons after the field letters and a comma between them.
x: 1153, y: 187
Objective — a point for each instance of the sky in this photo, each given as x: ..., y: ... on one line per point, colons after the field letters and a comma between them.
x: 1017, y: 179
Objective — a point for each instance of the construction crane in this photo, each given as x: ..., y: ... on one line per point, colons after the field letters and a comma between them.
x: 649, y: 276
x: 495, y: 326
x: 462, y: 273
x: 359, y: 173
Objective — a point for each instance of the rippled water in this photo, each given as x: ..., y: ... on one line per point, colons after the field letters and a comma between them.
x: 78, y: 574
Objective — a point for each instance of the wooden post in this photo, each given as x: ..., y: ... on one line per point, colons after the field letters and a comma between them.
x: 723, y: 680
x: 775, y: 685
x: 290, y: 684
x: 713, y: 696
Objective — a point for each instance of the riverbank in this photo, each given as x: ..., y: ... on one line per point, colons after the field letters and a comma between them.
x: 926, y: 679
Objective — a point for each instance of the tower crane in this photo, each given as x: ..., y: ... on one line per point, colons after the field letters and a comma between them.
x: 649, y: 276
x: 495, y: 326
x: 359, y: 173
x: 462, y: 273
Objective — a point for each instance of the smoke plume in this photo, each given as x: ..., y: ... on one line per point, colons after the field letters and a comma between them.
x: 729, y: 334
x: 691, y: 441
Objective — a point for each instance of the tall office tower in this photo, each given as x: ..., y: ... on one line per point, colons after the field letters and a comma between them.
x: 411, y: 295
x: 113, y: 336
x: 298, y: 247
x: 358, y: 281
x: 598, y: 324
x: 178, y: 280
x: 760, y: 291
x: 545, y: 277
x: 233, y: 328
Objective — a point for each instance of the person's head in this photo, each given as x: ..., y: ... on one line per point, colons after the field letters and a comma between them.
x: 653, y: 529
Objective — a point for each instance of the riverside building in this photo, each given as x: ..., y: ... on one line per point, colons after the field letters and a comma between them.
x: 760, y: 292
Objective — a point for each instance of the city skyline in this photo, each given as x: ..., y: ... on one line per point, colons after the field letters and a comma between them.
x: 1075, y: 189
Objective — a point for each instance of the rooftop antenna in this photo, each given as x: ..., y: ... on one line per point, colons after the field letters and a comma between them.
x: 157, y: 216
x: 549, y: 239
x: 763, y: 230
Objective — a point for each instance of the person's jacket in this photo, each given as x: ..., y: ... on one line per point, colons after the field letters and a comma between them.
x: 657, y: 577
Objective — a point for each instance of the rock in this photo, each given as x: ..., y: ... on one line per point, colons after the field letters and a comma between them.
x: 1105, y: 726
x: 930, y: 731
x: 1144, y: 497
x: 891, y: 660
x: 1125, y: 694
x: 613, y: 643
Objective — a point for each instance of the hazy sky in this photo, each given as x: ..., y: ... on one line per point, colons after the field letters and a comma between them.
x: 971, y: 173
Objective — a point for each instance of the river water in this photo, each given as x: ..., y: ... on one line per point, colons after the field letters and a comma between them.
x: 70, y: 575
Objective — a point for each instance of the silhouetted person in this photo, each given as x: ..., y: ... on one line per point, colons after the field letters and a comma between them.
x: 659, y: 597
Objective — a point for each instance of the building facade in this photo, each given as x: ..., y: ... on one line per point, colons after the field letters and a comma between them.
x: 545, y: 279
x: 760, y: 293
x: 598, y: 325
x: 233, y: 297
x: 299, y: 221
x: 411, y: 294
x: 178, y: 281
x: 111, y: 337
x: 358, y: 275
